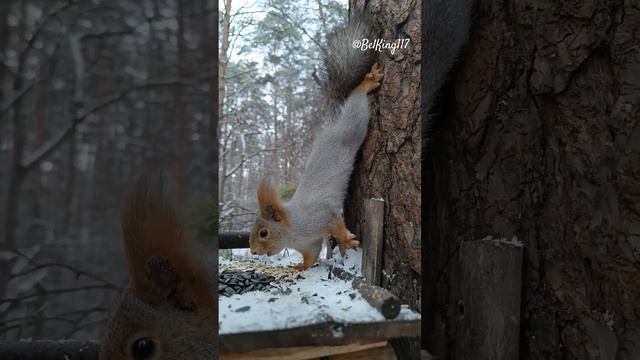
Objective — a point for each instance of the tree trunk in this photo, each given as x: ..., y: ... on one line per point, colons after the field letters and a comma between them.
x: 179, y: 112
x: 17, y: 172
x: 212, y: 139
x: 541, y: 143
x: 222, y: 67
x: 389, y: 164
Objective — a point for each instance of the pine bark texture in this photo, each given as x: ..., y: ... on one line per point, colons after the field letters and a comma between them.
x: 389, y: 164
x: 540, y: 140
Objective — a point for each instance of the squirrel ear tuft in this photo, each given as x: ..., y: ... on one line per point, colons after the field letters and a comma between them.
x: 161, y: 265
x: 271, y: 207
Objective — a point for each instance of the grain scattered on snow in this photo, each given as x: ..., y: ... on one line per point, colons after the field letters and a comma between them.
x: 313, y: 298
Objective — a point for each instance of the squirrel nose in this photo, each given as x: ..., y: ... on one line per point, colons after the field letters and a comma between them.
x: 253, y: 252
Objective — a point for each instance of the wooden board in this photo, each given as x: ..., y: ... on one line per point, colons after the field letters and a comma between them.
x: 306, y: 352
x: 324, y: 334
x: 381, y: 353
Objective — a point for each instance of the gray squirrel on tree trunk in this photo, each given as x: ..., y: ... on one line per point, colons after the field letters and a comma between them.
x: 315, y: 210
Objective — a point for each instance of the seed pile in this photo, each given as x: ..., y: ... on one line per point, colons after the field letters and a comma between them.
x: 231, y: 282
x: 278, y: 272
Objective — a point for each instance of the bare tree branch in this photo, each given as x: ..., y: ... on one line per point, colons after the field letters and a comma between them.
x: 43, y: 151
x: 24, y: 91
x: 47, y: 292
x: 244, y: 159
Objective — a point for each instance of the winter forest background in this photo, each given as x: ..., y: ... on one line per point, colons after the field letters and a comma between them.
x: 91, y: 93
x: 270, y: 52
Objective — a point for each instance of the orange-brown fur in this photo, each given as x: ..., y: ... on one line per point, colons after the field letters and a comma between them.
x: 151, y: 228
x: 371, y: 80
x: 271, y: 206
x: 170, y: 298
x: 344, y: 237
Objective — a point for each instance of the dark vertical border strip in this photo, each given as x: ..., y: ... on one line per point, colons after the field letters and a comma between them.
x: 214, y: 149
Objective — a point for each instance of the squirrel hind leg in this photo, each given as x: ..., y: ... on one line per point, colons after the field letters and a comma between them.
x: 340, y: 232
x: 371, y: 80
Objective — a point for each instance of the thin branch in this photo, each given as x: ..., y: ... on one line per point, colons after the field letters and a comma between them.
x: 78, y: 273
x: 44, y: 150
x: 47, y: 292
x: 9, y: 104
x: 36, y: 34
x: 244, y: 159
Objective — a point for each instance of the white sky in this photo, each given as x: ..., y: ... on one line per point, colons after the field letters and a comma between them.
x: 246, y: 6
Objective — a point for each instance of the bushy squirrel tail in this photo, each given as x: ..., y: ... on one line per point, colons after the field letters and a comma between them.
x: 345, y: 63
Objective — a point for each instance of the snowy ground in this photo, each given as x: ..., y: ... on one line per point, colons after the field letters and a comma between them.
x: 314, y: 298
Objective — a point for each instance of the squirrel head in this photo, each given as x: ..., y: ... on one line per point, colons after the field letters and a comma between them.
x: 169, y: 308
x: 271, y: 228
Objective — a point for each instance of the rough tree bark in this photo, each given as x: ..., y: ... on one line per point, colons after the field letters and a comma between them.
x: 389, y: 164
x: 540, y: 140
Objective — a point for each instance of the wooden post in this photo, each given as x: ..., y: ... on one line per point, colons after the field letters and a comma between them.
x: 372, y: 241
x: 489, y: 310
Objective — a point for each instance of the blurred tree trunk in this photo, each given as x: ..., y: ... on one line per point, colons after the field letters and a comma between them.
x: 389, y: 164
x: 275, y: 161
x: 75, y: 108
x: 179, y: 113
x: 288, y: 132
x: 5, y: 6
x: 210, y: 37
x: 222, y: 67
x: 17, y: 173
x: 542, y: 143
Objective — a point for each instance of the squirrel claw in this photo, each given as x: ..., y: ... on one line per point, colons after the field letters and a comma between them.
x: 371, y: 79
x: 350, y: 243
x: 353, y: 244
x: 375, y: 74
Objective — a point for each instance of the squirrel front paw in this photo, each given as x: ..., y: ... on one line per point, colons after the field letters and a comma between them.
x: 308, y: 259
x: 300, y: 267
x: 371, y: 80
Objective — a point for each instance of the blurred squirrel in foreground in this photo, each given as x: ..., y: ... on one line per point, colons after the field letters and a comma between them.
x: 315, y: 210
x: 169, y: 308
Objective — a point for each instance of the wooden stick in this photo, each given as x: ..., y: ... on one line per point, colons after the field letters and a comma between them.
x: 233, y: 240
x: 381, y: 299
x: 489, y: 311
x: 372, y: 241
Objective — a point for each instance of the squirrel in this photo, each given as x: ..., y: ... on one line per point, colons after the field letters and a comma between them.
x: 169, y: 308
x: 315, y: 210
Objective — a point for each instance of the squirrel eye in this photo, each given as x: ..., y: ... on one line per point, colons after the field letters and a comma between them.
x: 264, y: 233
x: 143, y: 348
